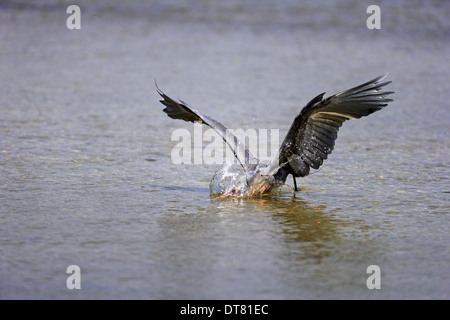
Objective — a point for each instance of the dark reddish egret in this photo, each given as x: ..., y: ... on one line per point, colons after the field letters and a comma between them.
x: 309, y: 141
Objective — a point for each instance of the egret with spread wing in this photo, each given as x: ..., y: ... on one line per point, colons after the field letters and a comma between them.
x: 308, y: 142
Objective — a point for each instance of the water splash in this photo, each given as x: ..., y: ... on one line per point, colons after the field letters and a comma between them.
x: 228, y: 177
x: 232, y: 181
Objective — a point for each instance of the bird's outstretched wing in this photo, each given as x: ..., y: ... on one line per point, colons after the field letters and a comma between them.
x: 181, y: 110
x: 313, y: 133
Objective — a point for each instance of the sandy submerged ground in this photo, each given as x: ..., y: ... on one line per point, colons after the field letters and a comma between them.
x: 87, y: 179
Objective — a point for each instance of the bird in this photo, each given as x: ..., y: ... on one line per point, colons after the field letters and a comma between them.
x: 308, y: 142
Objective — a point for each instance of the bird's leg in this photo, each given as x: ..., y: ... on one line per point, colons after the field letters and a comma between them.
x: 295, y: 184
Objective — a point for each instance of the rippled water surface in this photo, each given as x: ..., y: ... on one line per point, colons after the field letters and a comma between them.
x: 85, y: 151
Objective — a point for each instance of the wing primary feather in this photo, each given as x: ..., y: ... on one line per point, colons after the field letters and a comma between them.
x: 312, y: 135
x: 181, y: 110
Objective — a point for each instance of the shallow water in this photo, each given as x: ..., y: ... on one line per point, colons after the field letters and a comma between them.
x: 85, y: 151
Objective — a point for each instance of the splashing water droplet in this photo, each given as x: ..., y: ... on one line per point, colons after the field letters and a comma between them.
x: 226, y: 178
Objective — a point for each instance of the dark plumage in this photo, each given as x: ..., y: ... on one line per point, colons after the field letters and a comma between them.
x: 307, y: 144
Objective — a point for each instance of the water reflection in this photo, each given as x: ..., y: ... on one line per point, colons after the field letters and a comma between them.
x: 300, y: 220
x: 228, y: 247
x: 297, y: 220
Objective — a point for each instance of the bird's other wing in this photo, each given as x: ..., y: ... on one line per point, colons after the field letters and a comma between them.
x: 313, y: 133
x: 181, y: 110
